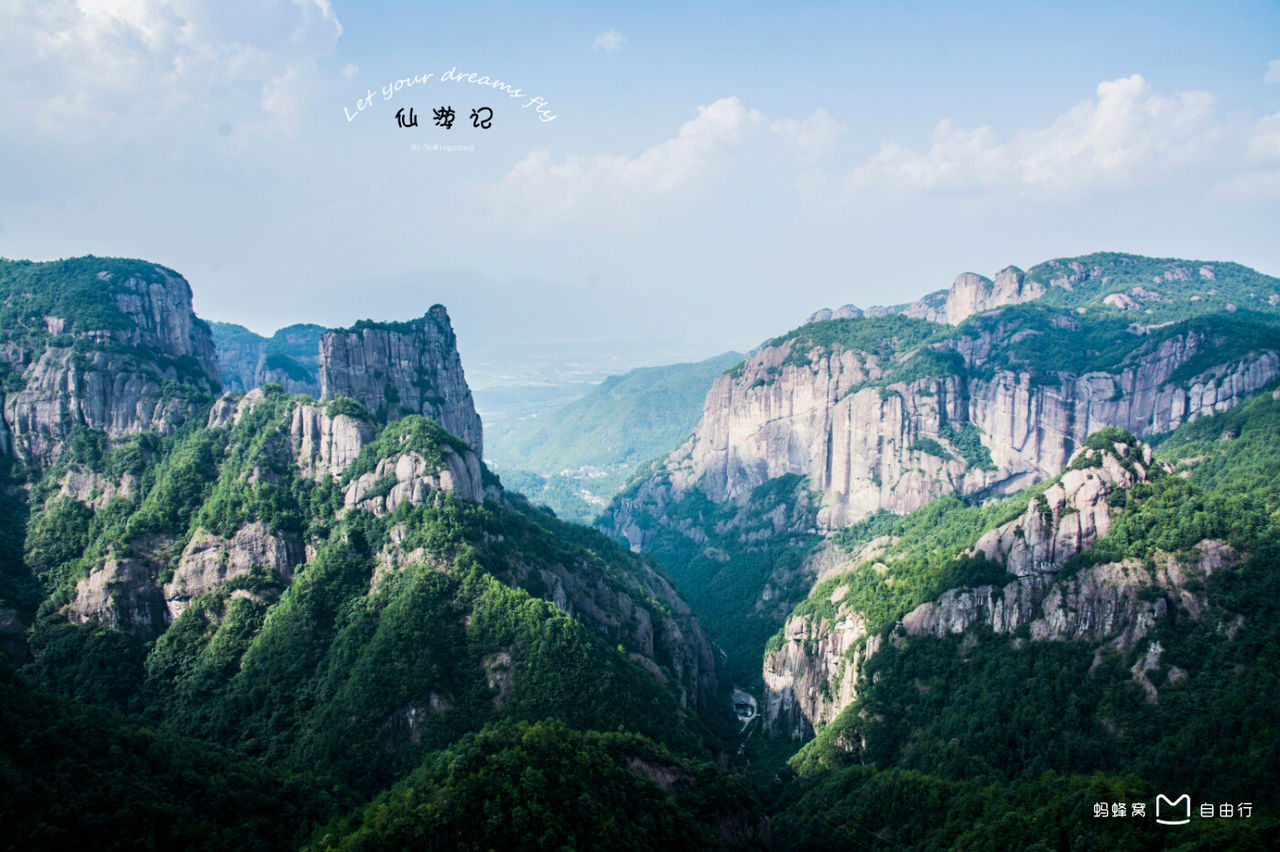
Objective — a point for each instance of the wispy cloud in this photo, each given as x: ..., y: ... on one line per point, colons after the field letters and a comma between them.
x: 1264, y: 142
x: 1273, y: 72
x: 79, y: 64
x: 1123, y: 135
x: 812, y: 136
x: 609, y: 41
x: 539, y: 190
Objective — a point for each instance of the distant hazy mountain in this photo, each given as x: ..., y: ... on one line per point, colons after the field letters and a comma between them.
x: 575, y: 458
x: 249, y: 360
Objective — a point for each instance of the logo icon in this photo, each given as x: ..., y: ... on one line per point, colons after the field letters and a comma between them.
x: 1167, y: 808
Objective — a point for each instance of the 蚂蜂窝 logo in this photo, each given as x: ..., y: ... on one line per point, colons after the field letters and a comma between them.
x: 1165, y: 807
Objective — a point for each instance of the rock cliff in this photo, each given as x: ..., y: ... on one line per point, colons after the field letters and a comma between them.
x: 209, y: 562
x: 813, y: 675
x: 127, y: 355
x: 326, y: 444
x: 1166, y: 287
x: 394, y: 369
x: 290, y: 357
x: 275, y: 443
x: 893, y: 426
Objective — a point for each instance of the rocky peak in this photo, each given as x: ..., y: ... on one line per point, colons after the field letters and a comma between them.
x: 108, y: 344
x: 161, y: 319
x: 1072, y: 513
x: 842, y: 312
x: 972, y: 294
x: 396, y: 369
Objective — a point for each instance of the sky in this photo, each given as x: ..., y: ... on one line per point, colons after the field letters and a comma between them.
x: 658, y: 180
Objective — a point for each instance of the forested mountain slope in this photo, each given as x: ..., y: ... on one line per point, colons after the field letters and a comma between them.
x: 1105, y: 637
x: 325, y: 593
x: 851, y: 417
x: 575, y: 458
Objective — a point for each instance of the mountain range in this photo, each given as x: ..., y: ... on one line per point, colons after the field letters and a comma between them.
x: 949, y: 574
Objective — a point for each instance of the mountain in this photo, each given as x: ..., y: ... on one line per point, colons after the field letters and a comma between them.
x: 990, y: 601
x: 105, y: 344
x: 1153, y: 289
x: 850, y: 417
x: 575, y: 458
x: 1104, y: 636
x: 330, y: 593
x: 399, y: 369
x: 289, y: 357
x: 969, y: 573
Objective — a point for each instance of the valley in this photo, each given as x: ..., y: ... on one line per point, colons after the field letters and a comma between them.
x: 916, y: 577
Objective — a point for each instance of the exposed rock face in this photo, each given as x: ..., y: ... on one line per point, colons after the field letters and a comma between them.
x: 971, y: 294
x: 326, y: 445
x: 867, y: 447
x: 1105, y: 601
x: 405, y: 368
x: 113, y: 379
x: 1070, y: 516
x: 122, y: 595
x: 94, y: 489
x: 813, y: 676
x: 410, y: 478
x: 161, y: 320
x: 290, y: 357
x: 210, y: 562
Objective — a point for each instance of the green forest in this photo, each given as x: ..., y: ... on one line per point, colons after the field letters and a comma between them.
x: 576, y: 458
x: 209, y: 639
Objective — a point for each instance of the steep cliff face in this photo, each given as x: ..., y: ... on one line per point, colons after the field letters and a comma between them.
x: 209, y: 562
x: 100, y: 343
x: 971, y: 294
x: 248, y: 539
x: 324, y: 443
x: 290, y: 357
x: 812, y: 675
x: 122, y: 594
x: 984, y: 410
x: 402, y: 368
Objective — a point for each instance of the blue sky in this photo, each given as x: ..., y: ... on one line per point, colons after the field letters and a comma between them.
x: 715, y: 172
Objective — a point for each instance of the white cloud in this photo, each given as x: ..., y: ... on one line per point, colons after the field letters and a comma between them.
x: 326, y: 12
x: 1264, y: 143
x: 1125, y: 131
x: 609, y: 41
x: 350, y: 70
x: 1250, y: 186
x: 1125, y: 134
x: 1273, y: 72
x: 539, y: 190
x: 85, y: 65
x: 956, y: 159
x: 812, y: 136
